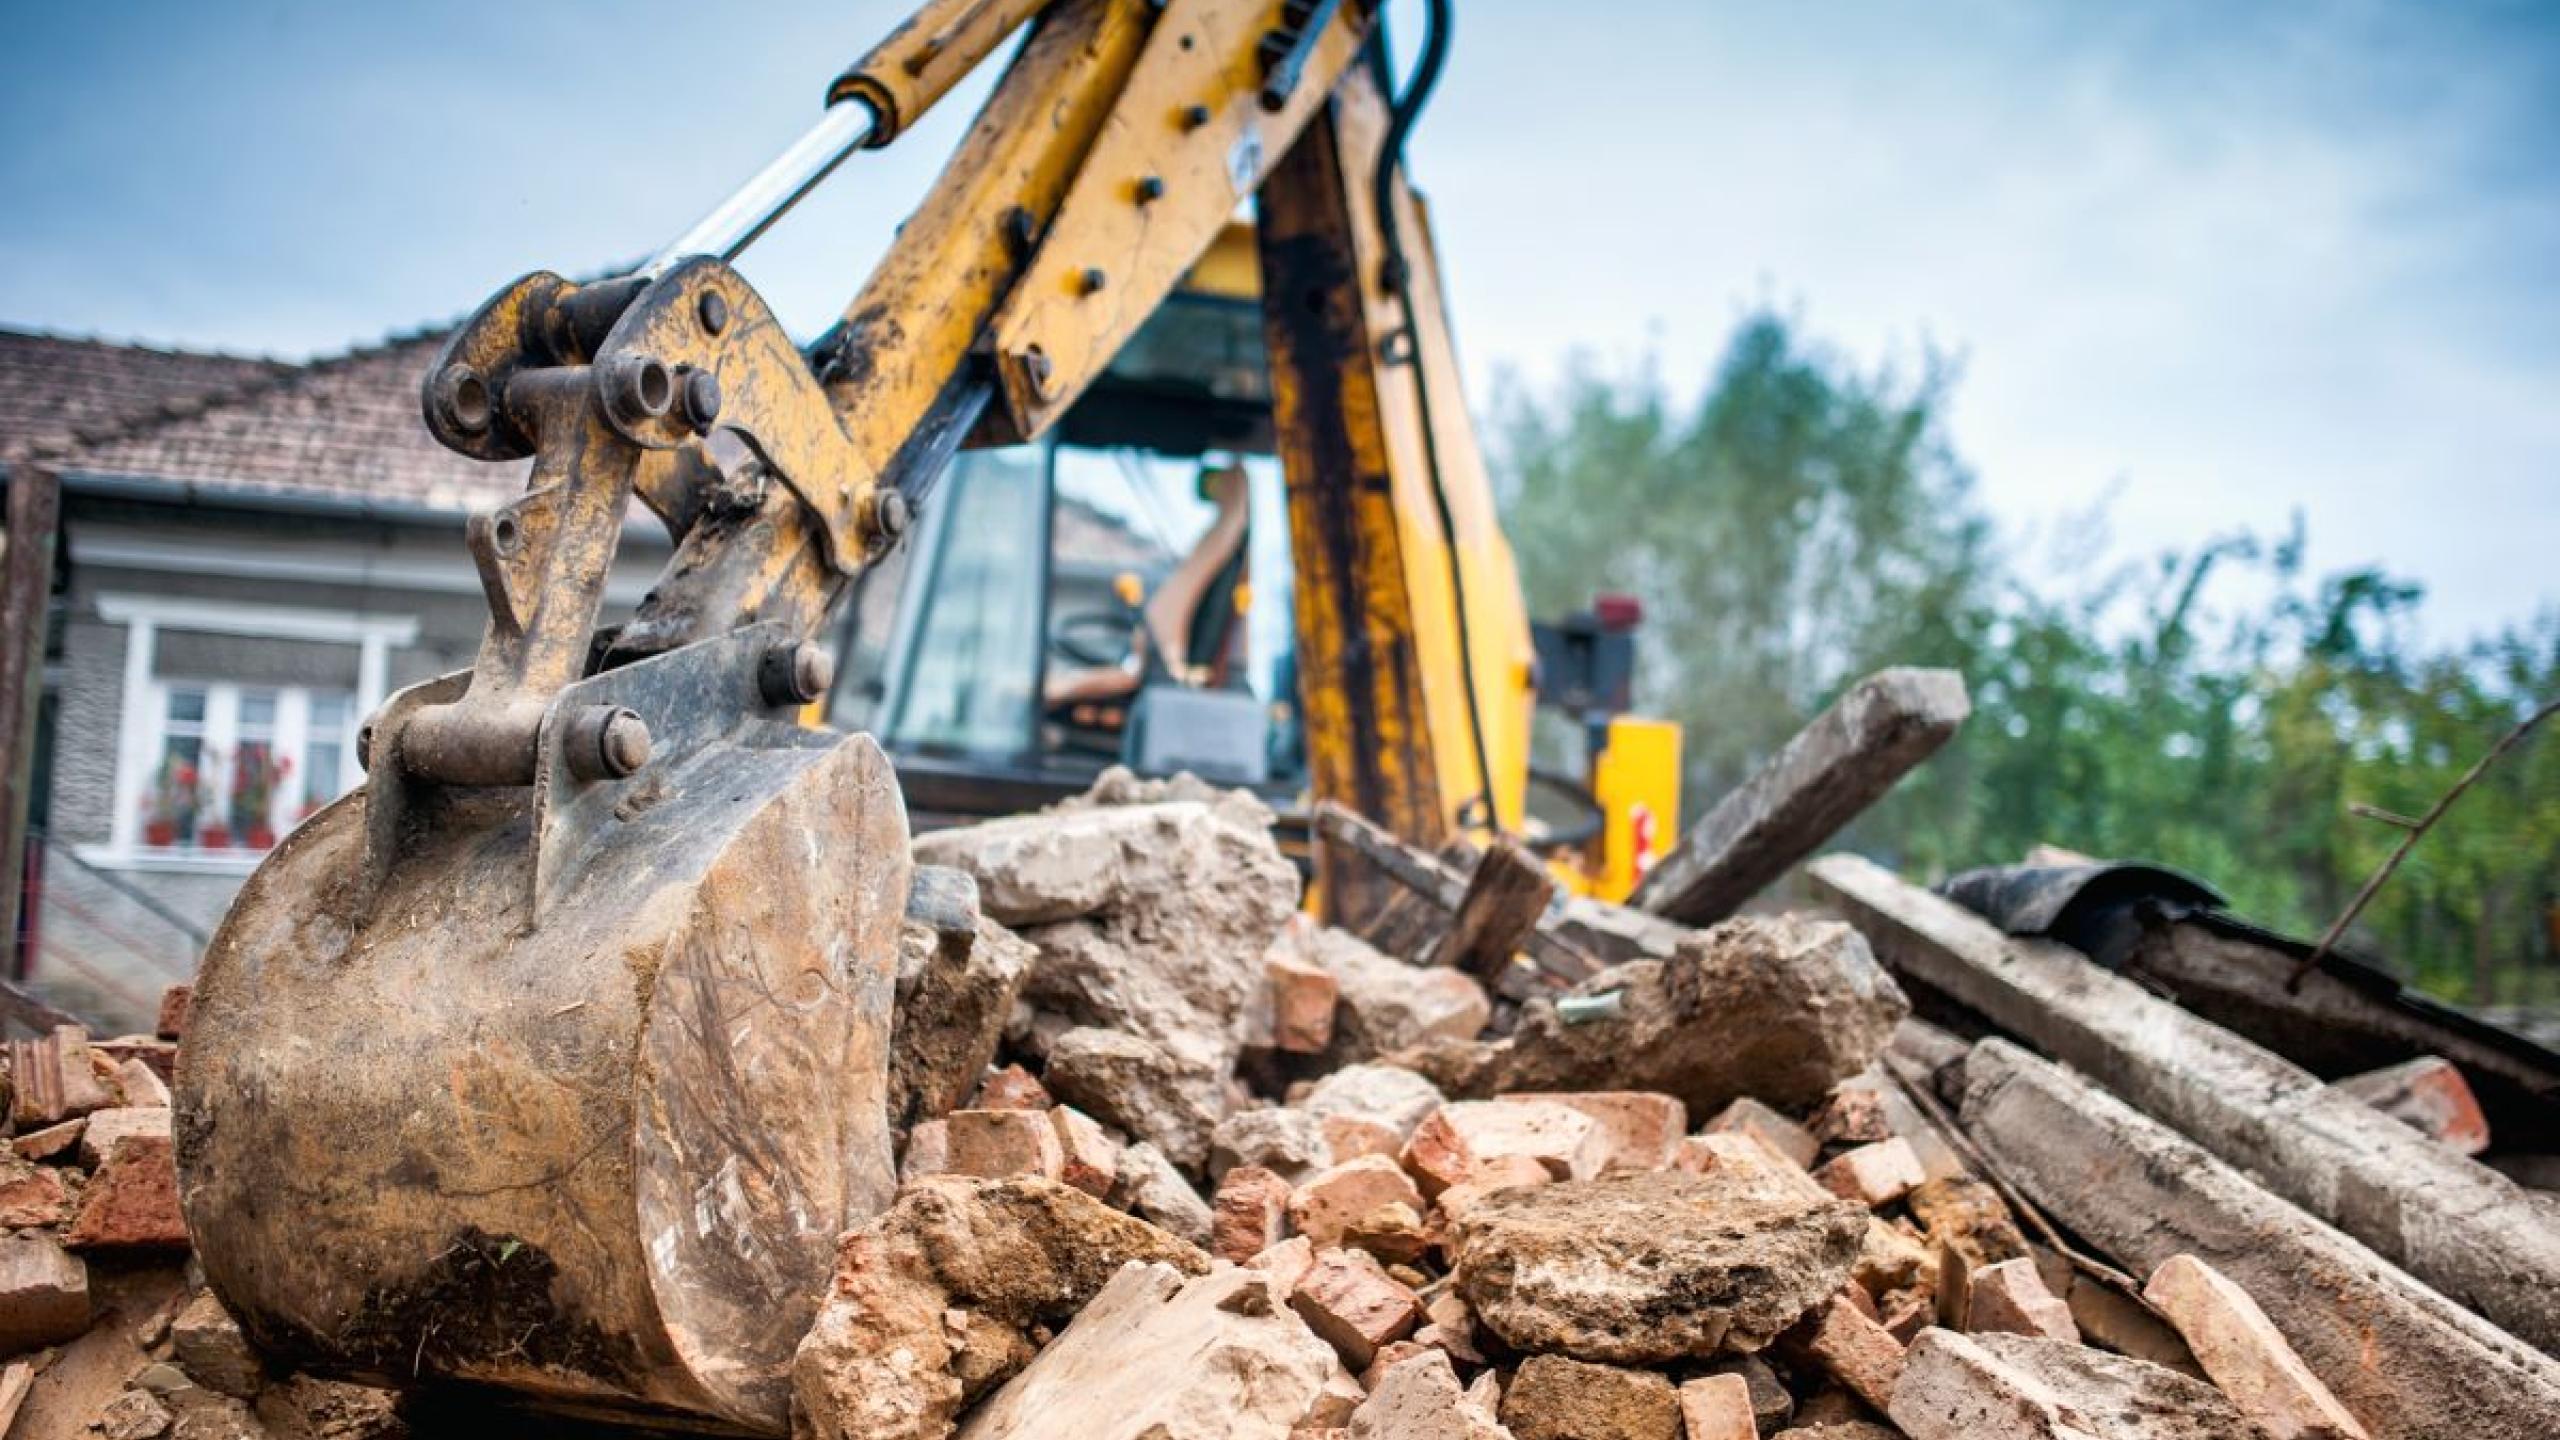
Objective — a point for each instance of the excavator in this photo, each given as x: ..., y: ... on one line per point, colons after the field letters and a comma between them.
x: 549, y: 1064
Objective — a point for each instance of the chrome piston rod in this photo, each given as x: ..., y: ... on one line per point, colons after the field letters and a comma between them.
x: 734, y: 223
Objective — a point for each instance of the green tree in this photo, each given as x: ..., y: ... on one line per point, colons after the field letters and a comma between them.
x: 1802, y: 523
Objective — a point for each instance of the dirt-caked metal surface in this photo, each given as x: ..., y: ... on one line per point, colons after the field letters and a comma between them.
x: 599, y: 1163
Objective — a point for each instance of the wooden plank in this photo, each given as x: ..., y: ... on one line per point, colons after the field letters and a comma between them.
x: 1819, y: 781
x: 26, y: 594
x: 1505, y: 899
x: 2456, y: 1224
x: 1443, y: 886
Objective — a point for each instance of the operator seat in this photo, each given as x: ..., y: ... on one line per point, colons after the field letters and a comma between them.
x: 1170, y: 616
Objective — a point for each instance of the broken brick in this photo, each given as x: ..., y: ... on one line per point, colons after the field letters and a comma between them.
x: 1639, y: 1129
x: 1570, y: 1144
x: 1012, y: 1088
x: 1393, y: 1232
x: 1718, y: 1407
x: 1852, y: 1349
x: 2246, y: 1355
x: 31, y: 1195
x: 2012, y: 1298
x: 928, y: 1151
x: 51, y: 1142
x: 1333, y: 1198
x: 1873, y: 1175
x: 1438, y: 1156
x: 1351, y: 1302
x: 2428, y: 1095
x: 1089, y: 1159
x: 1249, y: 1213
x: 1747, y: 1116
x: 1348, y: 1137
x: 52, y: 1078
x: 1286, y: 1263
x: 132, y: 1202
x: 44, y: 1293
x: 1492, y: 1177
x: 1851, y: 1115
x: 996, y: 1144
x: 1303, y: 996
x: 175, y: 1003
x: 112, y: 1127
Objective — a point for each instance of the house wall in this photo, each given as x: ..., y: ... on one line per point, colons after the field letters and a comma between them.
x: 117, y: 921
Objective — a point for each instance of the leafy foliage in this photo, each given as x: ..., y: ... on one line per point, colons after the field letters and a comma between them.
x: 1803, y: 523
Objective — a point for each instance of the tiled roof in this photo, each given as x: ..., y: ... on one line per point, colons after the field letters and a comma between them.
x: 345, y: 425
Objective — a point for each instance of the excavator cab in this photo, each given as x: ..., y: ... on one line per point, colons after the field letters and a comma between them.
x: 1117, y: 592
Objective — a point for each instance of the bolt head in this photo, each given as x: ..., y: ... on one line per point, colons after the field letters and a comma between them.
x: 1150, y: 188
x: 701, y: 399
x: 890, y: 512
x: 624, y: 745
x: 1093, y: 279
x: 713, y: 311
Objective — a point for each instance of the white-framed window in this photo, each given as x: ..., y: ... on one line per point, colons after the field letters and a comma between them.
x: 212, y: 768
x: 237, y: 765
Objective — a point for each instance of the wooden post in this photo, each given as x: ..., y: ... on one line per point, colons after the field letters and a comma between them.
x: 1833, y: 769
x: 26, y: 591
x: 1505, y: 898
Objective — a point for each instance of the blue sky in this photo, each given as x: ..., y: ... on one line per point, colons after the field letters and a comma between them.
x: 2212, y: 262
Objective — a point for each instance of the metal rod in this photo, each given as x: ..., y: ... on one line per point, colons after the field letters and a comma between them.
x: 734, y: 223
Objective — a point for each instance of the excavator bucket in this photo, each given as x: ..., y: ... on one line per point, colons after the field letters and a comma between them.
x: 572, y: 1097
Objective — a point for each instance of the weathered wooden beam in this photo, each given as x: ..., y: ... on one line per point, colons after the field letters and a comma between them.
x: 2409, y: 1363
x: 1505, y: 899
x: 26, y: 595
x: 1819, y: 781
x: 1444, y: 887
x: 2456, y: 1224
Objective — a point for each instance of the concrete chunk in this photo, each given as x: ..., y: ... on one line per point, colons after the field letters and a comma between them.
x: 1149, y: 1187
x: 1782, y: 1007
x: 931, y: 1300
x: 1388, y: 1004
x: 1419, y: 1398
x: 1646, y: 1269
x: 1556, y: 1398
x: 1953, y: 1389
x: 1155, y: 1357
x: 2246, y: 1355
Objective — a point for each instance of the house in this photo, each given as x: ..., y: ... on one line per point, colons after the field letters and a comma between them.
x: 253, y: 554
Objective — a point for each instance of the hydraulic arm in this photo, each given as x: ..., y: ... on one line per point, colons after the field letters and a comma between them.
x: 552, y: 1060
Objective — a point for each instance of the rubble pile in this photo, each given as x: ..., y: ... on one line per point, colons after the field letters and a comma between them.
x: 1178, y: 1163
x: 106, y: 1329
